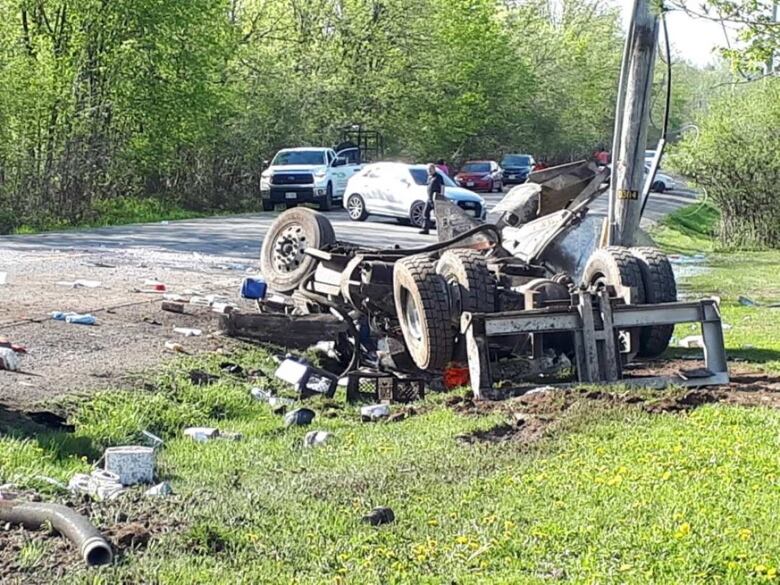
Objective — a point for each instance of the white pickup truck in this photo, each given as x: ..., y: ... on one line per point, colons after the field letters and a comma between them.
x: 308, y: 175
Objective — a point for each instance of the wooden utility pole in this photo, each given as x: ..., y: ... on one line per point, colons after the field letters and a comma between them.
x: 632, y: 119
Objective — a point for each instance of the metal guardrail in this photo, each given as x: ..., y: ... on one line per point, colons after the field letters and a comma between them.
x: 595, y: 320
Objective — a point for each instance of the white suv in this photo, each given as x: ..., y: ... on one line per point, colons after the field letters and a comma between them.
x: 308, y: 175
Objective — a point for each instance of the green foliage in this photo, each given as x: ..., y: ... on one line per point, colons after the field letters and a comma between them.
x: 736, y: 160
x: 139, y: 99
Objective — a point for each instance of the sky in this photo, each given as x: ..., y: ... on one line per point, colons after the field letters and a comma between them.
x: 692, y: 39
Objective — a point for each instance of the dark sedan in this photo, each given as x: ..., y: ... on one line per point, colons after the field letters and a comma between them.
x: 517, y: 167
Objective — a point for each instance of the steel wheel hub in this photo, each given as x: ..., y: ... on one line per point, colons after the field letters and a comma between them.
x: 413, y: 317
x: 289, y: 247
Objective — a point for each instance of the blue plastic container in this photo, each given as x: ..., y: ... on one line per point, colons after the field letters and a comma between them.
x: 253, y: 288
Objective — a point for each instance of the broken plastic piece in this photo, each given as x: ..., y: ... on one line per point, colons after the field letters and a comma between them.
x: 253, y: 288
x: 379, y: 515
x: 188, y: 331
x: 161, y: 489
x: 692, y: 341
x: 299, y: 417
x: 374, y: 412
x: 201, y: 434
x: 316, y: 438
x: 8, y: 359
x: 80, y: 319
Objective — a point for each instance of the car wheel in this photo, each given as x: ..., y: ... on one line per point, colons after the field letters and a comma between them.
x: 268, y: 206
x: 282, y: 259
x: 356, y: 208
x: 659, y: 187
x: 417, y: 214
x: 327, y: 203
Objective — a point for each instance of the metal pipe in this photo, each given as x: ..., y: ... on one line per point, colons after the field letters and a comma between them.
x: 93, y: 547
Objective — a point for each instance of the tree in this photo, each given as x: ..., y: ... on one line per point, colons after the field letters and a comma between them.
x: 736, y: 160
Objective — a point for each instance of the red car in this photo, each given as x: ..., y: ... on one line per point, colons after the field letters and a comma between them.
x: 481, y: 175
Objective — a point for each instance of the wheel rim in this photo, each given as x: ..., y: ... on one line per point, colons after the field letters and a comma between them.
x: 288, y: 248
x: 355, y: 207
x: 412, y: 317
x: 418, y: 215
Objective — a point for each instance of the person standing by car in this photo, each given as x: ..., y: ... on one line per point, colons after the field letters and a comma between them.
x: 435, y: 189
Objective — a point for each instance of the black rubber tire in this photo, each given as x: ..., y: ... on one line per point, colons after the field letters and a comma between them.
x: 617, y: 266
x: 412, y: 214
x: 327, y: 203
x: 313, y: 229
x: 660, y: 287
x: 416, y: 283
x: 476, y: 284
x: 268, y: 206
x: 363, y: 215
x: 658, y: 187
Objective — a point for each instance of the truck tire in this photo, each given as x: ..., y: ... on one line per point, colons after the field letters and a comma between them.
x: 469, y: 281
x: 617, y: 266
x: 423, y: 310
x: 282, y: 261
x: 327, y: 203
x: 660, y: 287
x: 268, y: 206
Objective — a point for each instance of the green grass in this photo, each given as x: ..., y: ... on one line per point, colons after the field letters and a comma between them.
x: 116, y: 211
x: 611, y: 494
x: 729, y: 275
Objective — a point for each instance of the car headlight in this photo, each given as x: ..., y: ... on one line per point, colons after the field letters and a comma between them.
x: 320, y: 173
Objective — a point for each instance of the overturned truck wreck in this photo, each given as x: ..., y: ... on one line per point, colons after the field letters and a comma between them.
x: 528, y: 293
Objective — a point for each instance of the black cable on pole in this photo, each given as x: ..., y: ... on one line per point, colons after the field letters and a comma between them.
x: 667, y: 105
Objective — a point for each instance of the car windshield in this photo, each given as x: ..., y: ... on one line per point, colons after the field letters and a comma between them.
x: 420, y: 177
x: 512, y: 160
x: 299, y: 157
x: 476, y: 167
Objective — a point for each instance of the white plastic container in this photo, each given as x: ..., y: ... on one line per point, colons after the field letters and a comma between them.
x: 132, y: 463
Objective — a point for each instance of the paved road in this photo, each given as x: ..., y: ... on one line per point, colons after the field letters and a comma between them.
x: 240, y: 236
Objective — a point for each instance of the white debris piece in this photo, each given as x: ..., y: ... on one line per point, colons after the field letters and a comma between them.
x: 161, y: 489
x: 692, y: 341
x: 8, y: 359
x: 374, y: 412
x: 188, y: 331
x: 201, y: 434
x: 131, y: 463
x: 316, y: 438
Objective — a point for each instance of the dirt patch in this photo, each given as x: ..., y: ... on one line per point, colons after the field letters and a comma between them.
x: 131, y: 329
x: 129, y: 523
x: 533, y: 414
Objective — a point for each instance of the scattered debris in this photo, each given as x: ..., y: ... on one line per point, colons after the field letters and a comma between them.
x: 175, y: 347
x: 156, y: 286
x: 153, y: 439
x: 8, y: 359
x: 201, y: 434
x: 188, y: 331
x: 261, y: 394
x: 253, y: 288
x: 299, y: 417
x: 80, y: 284
x: 378, y: 516
x: 173, y: 297
x: 100, y: 484
x: 316, y: 438
x: 747, y: 302
x: 693, y: 373
x: 231, y: 368
x: 161, y: 489
x: 75, y: 318
x: 222, y: 308
x: 201, y: 378
x: 133, y: 464
x: 14, y: 346
x: 374, y: 412
x: 307, y: 379
x: 692, y: 341
x: 172, y: 307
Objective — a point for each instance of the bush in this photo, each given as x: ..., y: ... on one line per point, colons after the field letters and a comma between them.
x: 735, y: 158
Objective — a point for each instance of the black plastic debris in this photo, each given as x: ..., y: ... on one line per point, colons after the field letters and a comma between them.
x: 299, y: 417
x: 378, y: 516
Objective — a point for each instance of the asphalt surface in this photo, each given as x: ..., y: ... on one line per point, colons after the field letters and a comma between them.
x: 241, y: 236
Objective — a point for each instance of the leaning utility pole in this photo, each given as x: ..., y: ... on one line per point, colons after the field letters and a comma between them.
x: 631, y: 121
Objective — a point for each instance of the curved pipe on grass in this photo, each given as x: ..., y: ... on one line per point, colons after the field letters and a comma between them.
x: 93, y: 548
